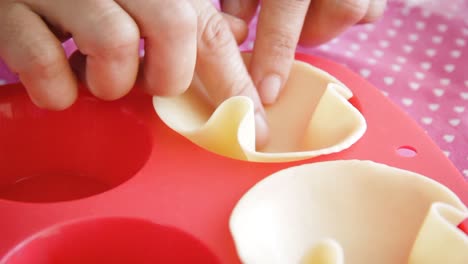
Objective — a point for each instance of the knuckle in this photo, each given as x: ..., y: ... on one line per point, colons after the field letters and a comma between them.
x: 216, y: 33
x: 282, y: 44
x: 43, y: 61
x: 121, y: 33
x: 186, y: 17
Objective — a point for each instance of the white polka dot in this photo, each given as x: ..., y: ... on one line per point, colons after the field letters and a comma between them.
x: 413, y: 37
x: 449, y: 138
x: 142, y: 53
x: 459, y: 109
x: 369, y: 27
x: 355, y: 46
x: 425, y: 13
x: 419, y: 75
x: 433, y: 107
x: 335, y: 41
x: 385, y: 93
x: 349, y: 54
x: 388, y: 80
x: 425, y: 65
x: 465, y: 31
x: 378, y: 53
x: 446, y: 153
x: 362, y: 36
x: 405, y: 11
x: 444, y: 81
x: 414, y: 86
x: 401, y: 59
x: 391, y: 32
x: 397, y: 22
x: 465, y: 172
x: 449, y: 68
x: 460, y: 42
x: 371, y: 61
x: 324, y: 47
x: 365, y: 73
x: 442, y: 27
x: 407, y: 101
x: 466, y: 83
x: 454, y: 122
x: 438, y: 92
x: 426, y: 120
x: 431, y: 52
x: 437, y: 39
x: 420, y: 25
x: 455, y: 54
x: 384, y: 43
x: 2, y: 82
x: 464, y: 95
x: 407, y: 48
x: 396, y: 67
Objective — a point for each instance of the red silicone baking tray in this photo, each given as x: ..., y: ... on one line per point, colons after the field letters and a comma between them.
x: 108, y: 182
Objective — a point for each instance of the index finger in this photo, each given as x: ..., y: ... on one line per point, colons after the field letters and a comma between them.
x: 279, y: 26
x: 220, y: 66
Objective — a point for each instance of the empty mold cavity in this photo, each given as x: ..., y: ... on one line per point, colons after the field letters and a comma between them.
x: 312, y: 117
x: 48, y: 156
x: 110, y: 240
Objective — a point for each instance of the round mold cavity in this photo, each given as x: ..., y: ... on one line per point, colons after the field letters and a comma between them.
x: 110, y: 240
x: 51, y: 156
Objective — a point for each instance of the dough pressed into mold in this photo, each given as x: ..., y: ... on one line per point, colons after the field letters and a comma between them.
x: 349, y: 211
x: 312, y: 117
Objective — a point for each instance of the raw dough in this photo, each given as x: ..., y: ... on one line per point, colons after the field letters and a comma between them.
x: 350, y: 211
x: 312, y: 117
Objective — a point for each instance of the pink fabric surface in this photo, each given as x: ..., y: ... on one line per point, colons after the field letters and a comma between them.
x: 417, y: 54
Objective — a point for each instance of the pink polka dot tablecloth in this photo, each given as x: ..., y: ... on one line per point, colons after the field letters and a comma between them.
x: 417, y: 55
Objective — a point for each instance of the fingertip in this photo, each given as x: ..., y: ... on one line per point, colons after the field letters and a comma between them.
x: 262, y: 130
x: 52, y: 95
x: 269, y: 89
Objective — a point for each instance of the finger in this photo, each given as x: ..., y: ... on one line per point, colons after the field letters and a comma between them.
x: 375, y: 11
x: 106, y: 35
x: 220, y: 66
x: 170, y: 44
x: 327, y: 19
x: 36, y: 55
x: 278, y: 30
x: 238, y: 27
x: 243, y: 9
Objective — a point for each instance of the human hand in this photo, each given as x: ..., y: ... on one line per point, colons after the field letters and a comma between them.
x: 181, y: 37
x: 282, y: 24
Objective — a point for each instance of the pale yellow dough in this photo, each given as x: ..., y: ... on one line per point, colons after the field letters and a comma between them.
x: 312, y: 117
x: 353, y: 212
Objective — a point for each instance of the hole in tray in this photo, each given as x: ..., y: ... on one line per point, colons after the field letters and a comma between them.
x: 49, y: 156
x: 110, y: 240
x: 406, y: 151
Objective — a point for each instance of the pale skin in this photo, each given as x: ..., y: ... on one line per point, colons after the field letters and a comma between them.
x: 183, y: 38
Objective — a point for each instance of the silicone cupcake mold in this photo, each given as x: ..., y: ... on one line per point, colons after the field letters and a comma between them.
x: 116, y: 180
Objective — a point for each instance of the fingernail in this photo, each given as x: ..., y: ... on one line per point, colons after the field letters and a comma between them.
x: 269, y: 88
x: 261, y: 130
